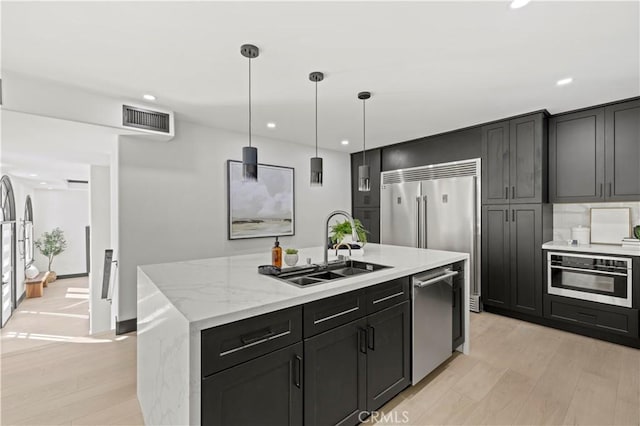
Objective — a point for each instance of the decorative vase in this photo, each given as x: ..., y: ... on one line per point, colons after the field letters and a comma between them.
x: 291, y: 259
x: 636, y: 231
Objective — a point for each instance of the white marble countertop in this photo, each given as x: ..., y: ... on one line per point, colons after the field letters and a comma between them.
x: 211, y: 292
x: 592, y: 248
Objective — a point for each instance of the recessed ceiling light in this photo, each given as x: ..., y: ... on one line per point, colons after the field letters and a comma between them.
x: 149, y: 97
x: 564, y: 81
x: 33, y: 175
x: 43, y: 183
x: 517, y: 4
x: 271, y: 125
x: 345, y: 142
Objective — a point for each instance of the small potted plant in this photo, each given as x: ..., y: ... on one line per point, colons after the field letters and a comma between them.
x: 291, y: 256
x: 341, y: 232
x: 50, y: 245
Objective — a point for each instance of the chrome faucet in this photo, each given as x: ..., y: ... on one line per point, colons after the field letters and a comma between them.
x: 354, y: 232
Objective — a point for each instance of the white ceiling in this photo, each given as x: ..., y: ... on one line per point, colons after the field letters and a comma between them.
x: 54, y: 150
x: 431, y: 66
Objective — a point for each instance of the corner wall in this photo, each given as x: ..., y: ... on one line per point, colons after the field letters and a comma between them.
x: 173, y: 201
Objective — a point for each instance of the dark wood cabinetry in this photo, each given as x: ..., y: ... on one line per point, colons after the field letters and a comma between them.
x: 512, y: 263
x: 335, y: 389
x: 370, y: 218
x: 266, y: 391
x: 514, y: 160
x: 594, y: 154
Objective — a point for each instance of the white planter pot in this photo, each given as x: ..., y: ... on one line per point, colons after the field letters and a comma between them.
x: 291, y: 259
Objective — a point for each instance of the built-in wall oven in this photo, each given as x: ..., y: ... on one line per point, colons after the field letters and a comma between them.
x: 598, y: 278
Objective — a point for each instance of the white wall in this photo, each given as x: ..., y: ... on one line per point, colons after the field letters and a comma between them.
x: 100, y: 215
x: 173, y: 202
x: 69, y: 211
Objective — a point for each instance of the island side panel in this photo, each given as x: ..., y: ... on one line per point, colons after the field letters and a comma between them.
x: 195, y: 394
x: 467, y: 292
x: 163, y: 358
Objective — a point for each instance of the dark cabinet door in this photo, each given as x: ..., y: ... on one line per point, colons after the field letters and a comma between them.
x: 372, y: 197
x: 265, y: 391
x: 335, y: 375
x: 370, y: 218
x: 388, y: 354
x: 576, y: 157
x: 495, y: 163
x: 457, y: 337
x: 526, y: 258
x: 495, y: 255
x: 527, y: 154
x: 622, y: 151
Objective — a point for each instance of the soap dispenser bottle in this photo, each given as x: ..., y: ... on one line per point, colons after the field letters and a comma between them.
x: 276, y: 255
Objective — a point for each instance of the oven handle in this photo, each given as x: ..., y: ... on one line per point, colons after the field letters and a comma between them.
x: 587, y: 271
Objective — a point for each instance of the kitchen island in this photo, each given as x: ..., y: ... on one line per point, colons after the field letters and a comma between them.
x: 177, y: 301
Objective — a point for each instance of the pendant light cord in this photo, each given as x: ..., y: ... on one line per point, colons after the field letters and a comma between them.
x: 316, y: 119
x: 249, y: 101
x: 364, y: 131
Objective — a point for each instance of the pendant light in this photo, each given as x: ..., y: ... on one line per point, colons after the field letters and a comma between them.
x: 364, y: 181
x: 316, y: 162
x: 249, y: 153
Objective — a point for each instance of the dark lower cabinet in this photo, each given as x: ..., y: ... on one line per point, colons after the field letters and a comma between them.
x: 512, y: 264
x: 265, y: 391
x: 357, y: 367
x: 335, y: 389
x: 458, y: 308
x: 388, y: 354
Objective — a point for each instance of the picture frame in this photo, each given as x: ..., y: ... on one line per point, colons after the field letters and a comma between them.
x: 262, y: 208
x: 609, y: 225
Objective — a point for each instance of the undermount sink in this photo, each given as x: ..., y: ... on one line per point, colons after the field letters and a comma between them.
x: 316, y: 274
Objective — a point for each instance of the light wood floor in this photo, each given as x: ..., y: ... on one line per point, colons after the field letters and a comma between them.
x: 517, y: 373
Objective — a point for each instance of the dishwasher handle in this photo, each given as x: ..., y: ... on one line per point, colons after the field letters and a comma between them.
x: 448, y: 273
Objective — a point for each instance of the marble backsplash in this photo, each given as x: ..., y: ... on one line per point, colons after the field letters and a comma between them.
x: 567, y: 216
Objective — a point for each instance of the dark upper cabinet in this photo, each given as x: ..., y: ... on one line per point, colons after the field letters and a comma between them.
x: 594, y: 154
x: 266, y: 391
x: 576, y: 157
x: 622, y: 151
x: 388, y: 354
x: 370, y: 198
x: 525, y: 231
x: 514, y: 160
x: 335, y: 388
x: 370, y: 218
x: 495, y: 255
x: 495, y: 163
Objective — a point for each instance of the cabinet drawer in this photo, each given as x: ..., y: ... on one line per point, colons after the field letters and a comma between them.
x: 612, y: 319
x: 331, y: 312
x: 387, y: 294
x: 231, y: 344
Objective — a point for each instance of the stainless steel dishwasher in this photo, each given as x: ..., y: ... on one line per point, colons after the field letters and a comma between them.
x: 432, y: 320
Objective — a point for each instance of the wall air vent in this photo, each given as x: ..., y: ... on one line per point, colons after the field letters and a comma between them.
x: 140, y: 118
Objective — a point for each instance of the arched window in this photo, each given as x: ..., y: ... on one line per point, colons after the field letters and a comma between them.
x: 27, y: 237
x: 8, y: 250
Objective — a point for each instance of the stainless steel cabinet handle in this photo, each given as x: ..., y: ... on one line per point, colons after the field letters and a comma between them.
x: 255, y: 342
x: 371, y: 338
x: 587, y: 271
x: 418, y: 233
x: 506, y: 215
x: 448, y: 273
x: 362, y: 340
x: 610, y: 189
x: 601, y: 190
x: 424, y: 225
x: 513, y: 192
x: 506, y: 192
x: 400, y: 293
x: 513, y: 215
x: 339, y: 314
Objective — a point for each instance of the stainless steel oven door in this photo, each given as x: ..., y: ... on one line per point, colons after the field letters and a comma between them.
x: 582, y: 276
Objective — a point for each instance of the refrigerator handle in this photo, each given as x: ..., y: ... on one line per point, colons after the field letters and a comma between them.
x: 418, y: 242
x: 424, y: 223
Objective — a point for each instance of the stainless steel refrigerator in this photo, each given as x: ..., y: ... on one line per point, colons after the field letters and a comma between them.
x: 435, y: 207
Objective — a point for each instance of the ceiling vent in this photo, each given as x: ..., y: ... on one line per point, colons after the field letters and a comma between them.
x: 140, y: 118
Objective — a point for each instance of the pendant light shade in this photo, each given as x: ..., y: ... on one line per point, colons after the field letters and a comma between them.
x: 316, y: 162
x: 364, y: 173
x: 249, y: 153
